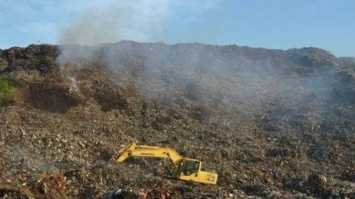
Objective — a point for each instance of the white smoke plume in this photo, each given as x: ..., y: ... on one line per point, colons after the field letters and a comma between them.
x: 138, y: 20
x: 258, y: 83
x: 117, y: 20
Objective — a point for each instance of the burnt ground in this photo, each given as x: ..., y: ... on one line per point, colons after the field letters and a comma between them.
x: 242, y: 111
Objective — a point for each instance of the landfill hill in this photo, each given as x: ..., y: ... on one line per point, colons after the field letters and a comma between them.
x: 67, y: 110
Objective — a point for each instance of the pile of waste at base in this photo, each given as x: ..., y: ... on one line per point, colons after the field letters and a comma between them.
x: 244, y: 112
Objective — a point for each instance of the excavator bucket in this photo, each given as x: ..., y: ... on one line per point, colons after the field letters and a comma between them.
x: 125, y: 152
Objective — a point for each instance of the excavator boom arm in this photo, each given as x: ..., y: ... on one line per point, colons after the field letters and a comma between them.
x: 133, y: 149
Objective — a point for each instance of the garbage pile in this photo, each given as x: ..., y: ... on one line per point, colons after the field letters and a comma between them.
x: 271, y: 123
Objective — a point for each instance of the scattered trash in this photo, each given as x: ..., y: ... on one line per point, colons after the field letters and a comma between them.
x: 241, y: 111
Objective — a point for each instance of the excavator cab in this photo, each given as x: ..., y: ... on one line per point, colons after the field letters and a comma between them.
x: 191, y: 170
x: 189, y: 167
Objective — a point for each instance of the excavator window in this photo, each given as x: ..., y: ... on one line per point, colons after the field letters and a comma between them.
x: 188, y: 167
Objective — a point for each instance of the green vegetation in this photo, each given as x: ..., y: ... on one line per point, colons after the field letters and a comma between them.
x: 7, y: 92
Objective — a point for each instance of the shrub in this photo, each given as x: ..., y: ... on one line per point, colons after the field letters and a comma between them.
x: 7, y: 92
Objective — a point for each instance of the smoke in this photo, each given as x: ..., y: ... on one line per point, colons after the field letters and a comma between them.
x: 24, y: 157
x: 277, y: 87
x: 117, y: 20
x: 120, y: 20
x: 138, y: 20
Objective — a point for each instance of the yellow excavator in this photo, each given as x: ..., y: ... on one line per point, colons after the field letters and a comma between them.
x: 184, y: 168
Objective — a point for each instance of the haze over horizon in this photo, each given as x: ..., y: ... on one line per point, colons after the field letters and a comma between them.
x: 276, y: 24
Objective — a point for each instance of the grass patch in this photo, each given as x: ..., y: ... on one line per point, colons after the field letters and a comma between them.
x: 7, y: 92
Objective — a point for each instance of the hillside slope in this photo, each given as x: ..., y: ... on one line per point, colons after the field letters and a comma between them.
x: 241, y: 110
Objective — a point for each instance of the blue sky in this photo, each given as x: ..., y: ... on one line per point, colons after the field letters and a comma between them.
x: 274, y: 24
